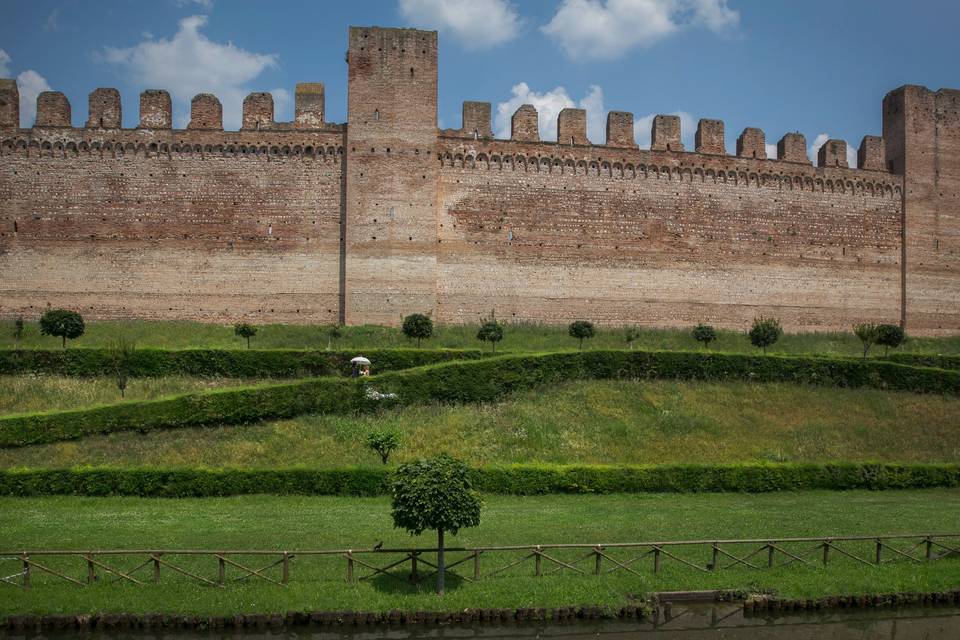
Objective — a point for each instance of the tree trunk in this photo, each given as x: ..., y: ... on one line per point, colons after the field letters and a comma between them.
x: 581, y: 344
x: 441, y: 564
x: 248, y: 342
x: 64, y: 341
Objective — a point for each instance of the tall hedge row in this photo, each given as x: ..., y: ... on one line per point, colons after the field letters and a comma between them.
x: 229, y: 363
x: 481, y: 380
x: 512, y: 479
x: 924, y: 360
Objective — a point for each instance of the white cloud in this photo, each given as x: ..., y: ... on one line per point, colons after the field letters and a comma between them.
x: 4, y: 64
x: 548, y: 106
x: 30, y: 84
x: 190, y: 63
x: 642, y: 129
x: 52, y: 23
x: 475, y: 24
x: 814, y: 149
x: 606, y: 29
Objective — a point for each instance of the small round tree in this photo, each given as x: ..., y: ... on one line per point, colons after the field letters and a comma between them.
x: 581, y: 330
x: 890, y: 336
x: 632, y: 335
x: 435, y: 494
x: 245, y: 330
x: 418, y: 326
x: 62, y: 323
x: 704, y: 333
x: 384, y: 443
x: 868, y: 333
x: 765, y: 332
x: 491, y: 331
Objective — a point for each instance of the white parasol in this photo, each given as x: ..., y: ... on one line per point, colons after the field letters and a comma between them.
x: 360, y: 360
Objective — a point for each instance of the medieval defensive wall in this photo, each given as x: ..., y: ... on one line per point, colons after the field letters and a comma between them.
x: 363, y: 222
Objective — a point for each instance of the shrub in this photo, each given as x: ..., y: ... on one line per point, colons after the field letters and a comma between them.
x: 384, y: 443
x: 890, y: 336
x: 17, y: 333
x: 62, y: 323
x: 867, y: 333
x: 704, y: 333
x: 765, y: 332
x: 581, y: 329
x: 518, y: 479
x: 418, y: 326
x: 632, y: 335
x: 245, y: 330
x: 436, y: 493
x: 121, y: 363
x: 491, y: 331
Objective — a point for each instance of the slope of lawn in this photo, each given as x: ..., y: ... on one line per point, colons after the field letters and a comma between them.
x: 517, y: 337
x: 579, y: 422
x: 268, y: 522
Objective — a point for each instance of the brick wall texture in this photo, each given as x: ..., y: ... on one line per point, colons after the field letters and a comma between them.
x: 385, y: 215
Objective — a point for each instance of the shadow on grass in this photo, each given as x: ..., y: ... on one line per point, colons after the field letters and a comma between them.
x: 399, y: 582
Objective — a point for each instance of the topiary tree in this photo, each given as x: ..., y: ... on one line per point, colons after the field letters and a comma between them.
x: 334, y: 332
x: 419, y: 326
x: 632, y: 335
x: 384, y: 442
x: 582, y: 330
x: 491, y: 331
x: 121, y: 362
x: 890, y: 336
x: 62, y: 323
x: 868, y: 333
x: 245, y: 330
x: 17, y: 333
x: 704, y: 333
x: 435, y: 494
x: 765, y: 332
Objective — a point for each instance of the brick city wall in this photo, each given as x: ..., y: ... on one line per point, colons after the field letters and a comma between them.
x: 365, y: 222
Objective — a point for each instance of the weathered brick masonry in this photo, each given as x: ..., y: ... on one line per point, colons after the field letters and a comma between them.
x: 309, y: 221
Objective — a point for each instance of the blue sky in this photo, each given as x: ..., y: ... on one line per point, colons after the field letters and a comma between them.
x: 818, y: 67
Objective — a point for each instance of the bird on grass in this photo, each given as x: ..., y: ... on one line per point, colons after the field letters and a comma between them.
x: 378, y: 546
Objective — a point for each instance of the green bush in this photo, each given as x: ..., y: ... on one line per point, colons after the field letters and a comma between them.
x: 527, y: 479
x: 482, y: 380
x: 923, y: 360
x: 228, y: 363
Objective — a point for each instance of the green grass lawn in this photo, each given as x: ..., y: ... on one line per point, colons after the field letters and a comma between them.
x: 42, y: 393
x: 266, y: 522
x: 587, y: 422
x: 522, y: 337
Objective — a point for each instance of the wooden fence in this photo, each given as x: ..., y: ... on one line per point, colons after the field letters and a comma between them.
x: 407, y: 564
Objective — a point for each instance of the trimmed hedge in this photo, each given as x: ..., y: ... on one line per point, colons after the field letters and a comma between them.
x: 924, y: 360
x: 229, y: 363
x: 482, y: 380
x: 512, y: 479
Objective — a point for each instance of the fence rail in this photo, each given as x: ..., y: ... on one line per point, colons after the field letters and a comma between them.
x: 404, y: 564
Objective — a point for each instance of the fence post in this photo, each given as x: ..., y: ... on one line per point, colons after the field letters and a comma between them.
x: 536, y: 560
x: 156, y: 569
x: 826, y: 551
x: 26, y: 570
x: 715, y: 559
x: 413, y: 568
x: 879, y: 550
x: 286, y: 568
x: 597, y: 560
x: 350, y: 566
x: 929, y: 548
x: 91, y: 571
x: 476, y: 564
x: 770, y: 551
x: 656, y: 559
x: 222, y: 572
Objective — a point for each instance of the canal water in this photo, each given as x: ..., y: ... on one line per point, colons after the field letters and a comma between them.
x: 686, y: 622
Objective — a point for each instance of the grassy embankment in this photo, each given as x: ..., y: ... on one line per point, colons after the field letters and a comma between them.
x: 314, y: 523
x: 517, y: 337
x: 581, y: 422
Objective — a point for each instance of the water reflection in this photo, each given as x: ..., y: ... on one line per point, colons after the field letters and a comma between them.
x: 685, y: 622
